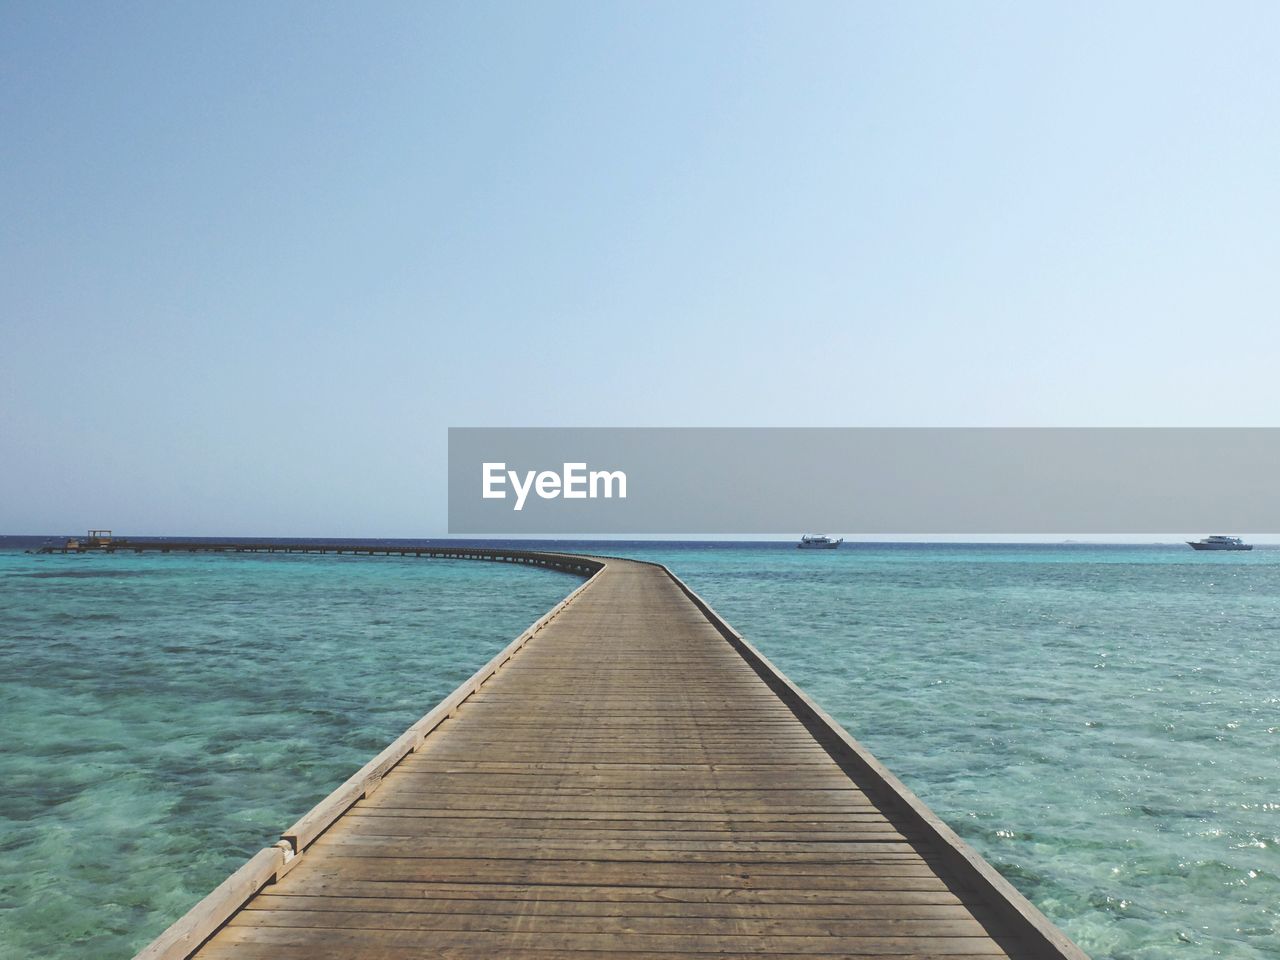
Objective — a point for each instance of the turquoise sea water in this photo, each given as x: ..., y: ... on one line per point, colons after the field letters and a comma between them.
x: 165, y: 717
x: 1102, y: 723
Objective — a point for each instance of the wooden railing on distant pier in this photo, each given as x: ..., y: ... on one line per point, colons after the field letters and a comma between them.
x: 566, y: 562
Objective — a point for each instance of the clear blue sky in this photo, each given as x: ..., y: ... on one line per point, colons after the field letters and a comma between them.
x: 256, y: 258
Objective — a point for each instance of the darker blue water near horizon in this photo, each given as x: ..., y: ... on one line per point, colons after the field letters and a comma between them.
x: 1100, y: 722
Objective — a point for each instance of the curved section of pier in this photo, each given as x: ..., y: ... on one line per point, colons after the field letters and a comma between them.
x: 629, y: 778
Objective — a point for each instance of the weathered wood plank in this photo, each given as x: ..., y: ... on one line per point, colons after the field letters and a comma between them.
x: 498, y: 951
x: 604, y: 908
x: 735, y: 894
x: 869, y: 876
x: 959, y: 924
x: 484, y: 942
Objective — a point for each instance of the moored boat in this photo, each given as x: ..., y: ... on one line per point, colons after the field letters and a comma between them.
x: 817, y: 541
x: 1219, y: 542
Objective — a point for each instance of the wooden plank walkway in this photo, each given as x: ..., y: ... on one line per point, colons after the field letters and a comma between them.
x: 635, y: 781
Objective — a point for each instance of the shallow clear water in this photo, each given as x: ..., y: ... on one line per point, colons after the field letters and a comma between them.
x: 1101, y: 723
x: 164, y: 717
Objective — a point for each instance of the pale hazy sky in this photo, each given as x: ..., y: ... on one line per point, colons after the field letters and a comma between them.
x: 256, y: 258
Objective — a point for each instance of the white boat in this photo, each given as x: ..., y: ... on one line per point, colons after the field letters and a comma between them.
x: 816, y: 541
x: 1219, y: 542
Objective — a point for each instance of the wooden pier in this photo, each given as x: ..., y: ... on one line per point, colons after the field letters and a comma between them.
x: 629, y: 778
x: 569, y: 563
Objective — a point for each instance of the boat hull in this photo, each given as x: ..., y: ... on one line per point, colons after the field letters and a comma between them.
x: 1219, y: 546
x: 816, y: 546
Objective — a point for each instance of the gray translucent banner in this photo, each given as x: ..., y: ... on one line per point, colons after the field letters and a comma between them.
x: 862, y: 480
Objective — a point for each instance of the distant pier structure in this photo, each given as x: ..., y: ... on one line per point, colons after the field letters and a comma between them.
x: 102, y: 541
x: 628, y: 778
